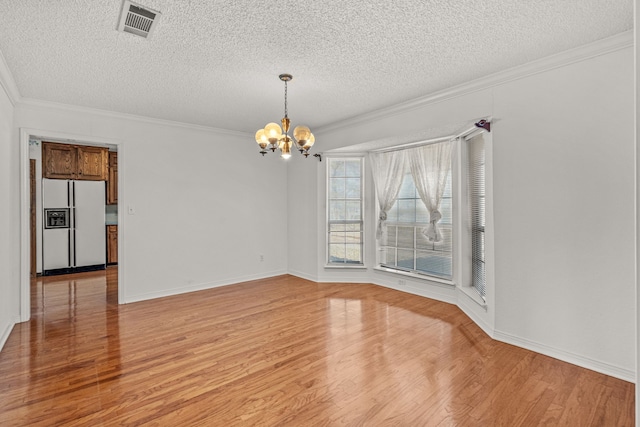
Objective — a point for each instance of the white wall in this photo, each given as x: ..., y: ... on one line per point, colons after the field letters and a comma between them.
x: 8, y: 254
x: 564, y: 210
x: 563, y: 199
x: 205, y: 201
x: 302, y: 228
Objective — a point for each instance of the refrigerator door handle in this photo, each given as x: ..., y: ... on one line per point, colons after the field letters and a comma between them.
x: 69, y: 248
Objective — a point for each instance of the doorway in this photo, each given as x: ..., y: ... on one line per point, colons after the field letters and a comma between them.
x: 28, y: 256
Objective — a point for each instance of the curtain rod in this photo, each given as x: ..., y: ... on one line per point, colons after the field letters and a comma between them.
x: 483, y: 124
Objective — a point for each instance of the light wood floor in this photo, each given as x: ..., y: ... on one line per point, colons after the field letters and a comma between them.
x: 281, y: 352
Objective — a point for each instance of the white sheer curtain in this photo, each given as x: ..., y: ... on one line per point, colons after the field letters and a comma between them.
x: 430, y: 166
x: 388, y: 172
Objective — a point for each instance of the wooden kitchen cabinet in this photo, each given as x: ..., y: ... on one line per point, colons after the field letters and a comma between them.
x: 59, y: 161
x: 112, y: 182
x: 112, y: 244
x: 66, y: 161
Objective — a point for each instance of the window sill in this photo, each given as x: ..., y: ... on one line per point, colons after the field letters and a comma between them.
x: 422, y: 277
x: 345, y: 267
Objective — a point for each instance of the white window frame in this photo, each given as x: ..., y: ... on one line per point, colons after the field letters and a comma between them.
x: 463, y: 272
x: 328, y: 222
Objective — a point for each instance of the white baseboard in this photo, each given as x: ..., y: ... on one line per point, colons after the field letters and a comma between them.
x: 575, y: 359
x: 470, y: 307
x: 303, y: 275
x: 200, y: 287
x: 6, y: 331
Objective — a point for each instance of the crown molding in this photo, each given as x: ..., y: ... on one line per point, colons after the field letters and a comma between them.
x: 37, y: 103
x: 582, y: 53
x: 8, y: 83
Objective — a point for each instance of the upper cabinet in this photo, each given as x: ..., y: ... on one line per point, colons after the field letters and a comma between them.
x: 65, y: 161
x: 112, y: 182
x: 59, y: 161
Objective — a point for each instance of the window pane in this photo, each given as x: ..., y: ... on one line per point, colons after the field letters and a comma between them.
x: 406, y: 210
x: 352, y: 237
x: 352, y: 253
x: 389, y: 238
x: 405, y: 259
x: 338, y: 210
x: 446, y: 211
x: 389, y: 256
x: 337, y: 188
x: 352, y: 210
x: 352, y: 186
x: 405, y: 237
x: 337, y: 227
x: 352, y: 168
x: 434, y: 263
x: 337, y: 237
x: 336, y: 168
x: 336, y: 253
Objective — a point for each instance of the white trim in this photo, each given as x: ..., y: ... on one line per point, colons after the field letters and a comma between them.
x: 422, y: 277
x: 304, y: 276
x: 200, y: 286
x: 25, y: 241
x: 8, y: 83
x: 36, y: 103
x: 7, y: 331
x: 582, y: 53
x: 565, y: 356
x: 471, y: 294
x: 25, y: 279
x: 361, y: 157
x: 345, y: 266
x: 467, y: 305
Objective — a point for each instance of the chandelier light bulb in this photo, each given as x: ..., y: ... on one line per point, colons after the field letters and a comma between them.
x: 301, y: 134
x: 261, y: 139
x: 285, y: 147
x: 273, y: 132
x: 310, y: 142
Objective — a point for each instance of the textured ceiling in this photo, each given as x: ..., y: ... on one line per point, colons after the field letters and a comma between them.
x: 216, y: 63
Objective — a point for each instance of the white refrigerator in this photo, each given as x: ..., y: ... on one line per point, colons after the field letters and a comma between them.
x: 73, y: 235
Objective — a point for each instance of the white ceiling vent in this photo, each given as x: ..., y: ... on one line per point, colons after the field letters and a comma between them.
x: 137, y: 19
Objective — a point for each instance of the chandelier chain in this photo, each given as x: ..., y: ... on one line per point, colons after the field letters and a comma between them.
x: 285, y: 99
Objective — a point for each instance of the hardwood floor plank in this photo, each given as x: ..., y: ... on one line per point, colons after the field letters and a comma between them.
x: 281, y: 352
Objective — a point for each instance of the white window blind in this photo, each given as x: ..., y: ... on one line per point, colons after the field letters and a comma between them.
x: 476, y: 186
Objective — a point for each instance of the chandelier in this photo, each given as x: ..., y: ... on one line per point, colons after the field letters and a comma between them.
x: 275, y: 137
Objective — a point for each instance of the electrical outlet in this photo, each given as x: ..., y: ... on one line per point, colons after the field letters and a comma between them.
x: 131, y: 210
x: 402, y: 282
x: 261, y: 258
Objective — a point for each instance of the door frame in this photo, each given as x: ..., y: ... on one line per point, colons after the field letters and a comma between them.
x: 25, y: 233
